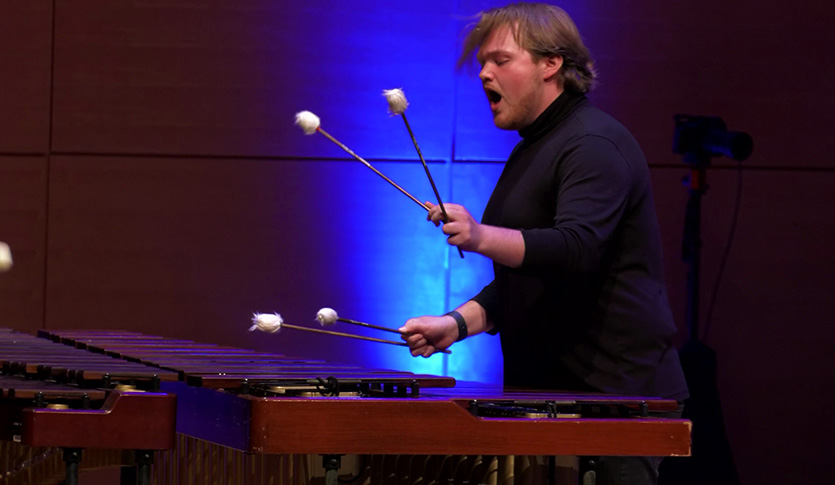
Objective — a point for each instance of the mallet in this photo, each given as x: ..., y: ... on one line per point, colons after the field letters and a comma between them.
x: 397, y: 106
x: 328, y: 316
x: 310, y: 124
x: 272, y: 323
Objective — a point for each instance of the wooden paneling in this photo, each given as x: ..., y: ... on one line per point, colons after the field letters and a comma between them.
x: 772, y: 317
x: 752, y: 64
x: 25, y: 56
x: 772, y: 322
x: 23, y: 228
x: 226, y: 78
x: 191, y: 248
x: 758, y: 66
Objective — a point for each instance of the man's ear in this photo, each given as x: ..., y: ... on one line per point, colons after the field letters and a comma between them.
x: 552, y: 67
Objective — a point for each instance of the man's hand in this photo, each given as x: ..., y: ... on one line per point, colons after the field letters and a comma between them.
x: 502, y: 245
x: 462, y: 229
x: 429, y: 334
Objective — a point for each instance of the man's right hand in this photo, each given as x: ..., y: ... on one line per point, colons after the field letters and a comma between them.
x: 429, y: 334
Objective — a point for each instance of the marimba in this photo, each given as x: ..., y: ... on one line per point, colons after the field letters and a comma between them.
x: 255, y: 417
x: 58, y: 403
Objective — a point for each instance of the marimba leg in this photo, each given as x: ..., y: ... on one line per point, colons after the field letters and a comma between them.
x: 588, y: 470
x: 72, y: 457
x: 331, y: 464
x: 144, y: 460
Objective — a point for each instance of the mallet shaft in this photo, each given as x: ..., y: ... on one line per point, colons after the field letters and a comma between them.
x: 340, y: 334
x: 429, y: 175
x: 401, y: 189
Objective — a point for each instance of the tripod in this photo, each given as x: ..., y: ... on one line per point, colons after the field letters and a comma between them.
x: 711, y: 460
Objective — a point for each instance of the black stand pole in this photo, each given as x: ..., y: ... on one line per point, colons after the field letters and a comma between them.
x: 691, y: 246
x: 711, y: 460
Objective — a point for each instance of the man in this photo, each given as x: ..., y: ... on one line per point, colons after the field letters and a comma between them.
x: 579, y: 297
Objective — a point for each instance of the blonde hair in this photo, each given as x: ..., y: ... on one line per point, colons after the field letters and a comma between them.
x: 544, y: 31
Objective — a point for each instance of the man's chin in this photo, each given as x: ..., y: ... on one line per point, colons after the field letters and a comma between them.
x: 504, y: 123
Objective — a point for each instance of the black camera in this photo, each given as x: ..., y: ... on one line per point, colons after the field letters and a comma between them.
x: 707, y: 136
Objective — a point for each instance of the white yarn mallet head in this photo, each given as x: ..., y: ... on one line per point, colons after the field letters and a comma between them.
x: 327, y: 316
x: 308, y: 122
x: 5, y: 257
x: 266, y: 322
x: 397, y: 101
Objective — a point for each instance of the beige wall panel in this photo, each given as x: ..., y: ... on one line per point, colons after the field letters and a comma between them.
x: 25, y: 57
x: 23, y: 228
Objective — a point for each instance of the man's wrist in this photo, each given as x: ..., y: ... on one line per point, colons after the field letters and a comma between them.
x: 462, y: 325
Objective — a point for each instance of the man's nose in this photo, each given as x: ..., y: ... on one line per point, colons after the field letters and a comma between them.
x: 485, y: 74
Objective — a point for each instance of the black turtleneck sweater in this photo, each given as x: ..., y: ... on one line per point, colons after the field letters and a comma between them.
x: 587, y: 310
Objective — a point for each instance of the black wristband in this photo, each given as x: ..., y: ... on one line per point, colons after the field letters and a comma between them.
x: 462, y: 325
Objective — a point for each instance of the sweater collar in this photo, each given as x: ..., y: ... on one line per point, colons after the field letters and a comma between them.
x: 558, y: 110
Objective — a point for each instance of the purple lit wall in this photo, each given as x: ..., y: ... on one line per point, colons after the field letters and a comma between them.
x: 151, y: 179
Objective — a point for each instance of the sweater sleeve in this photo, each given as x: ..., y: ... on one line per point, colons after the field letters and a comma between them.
x: 594, y: 182
x: 488, y: 300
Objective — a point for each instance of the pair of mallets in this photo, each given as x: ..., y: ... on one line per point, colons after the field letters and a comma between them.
x: 310, y: 124
x: 273, y: 322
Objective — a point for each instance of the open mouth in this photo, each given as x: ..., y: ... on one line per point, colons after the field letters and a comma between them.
x: 493, y: 96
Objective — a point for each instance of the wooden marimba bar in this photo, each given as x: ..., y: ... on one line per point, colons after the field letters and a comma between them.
x: 56, y: 401
x: 251, y: 417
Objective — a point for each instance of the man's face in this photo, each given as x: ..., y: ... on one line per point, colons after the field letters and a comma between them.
x: 515, y: 84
